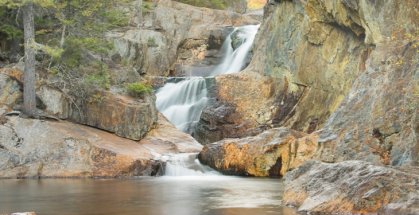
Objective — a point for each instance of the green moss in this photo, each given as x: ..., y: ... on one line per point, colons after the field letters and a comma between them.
x: 138, y: 89
x: 151, y: 42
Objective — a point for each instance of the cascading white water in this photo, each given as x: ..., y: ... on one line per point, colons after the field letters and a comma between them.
x: 182, y: 102
x: 186, y: 164
x: 235, y: 59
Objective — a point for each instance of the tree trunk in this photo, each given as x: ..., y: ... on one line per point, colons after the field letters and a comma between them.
x: 29, y: 97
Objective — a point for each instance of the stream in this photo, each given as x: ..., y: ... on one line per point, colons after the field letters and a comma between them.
x: 187, y: 188
x: 189, y: 195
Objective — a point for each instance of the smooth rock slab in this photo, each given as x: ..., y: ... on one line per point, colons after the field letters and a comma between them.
x: 35, y: 148
x: 352, y: 187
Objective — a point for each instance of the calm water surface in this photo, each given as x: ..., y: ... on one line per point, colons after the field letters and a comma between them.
x: 194, y: 195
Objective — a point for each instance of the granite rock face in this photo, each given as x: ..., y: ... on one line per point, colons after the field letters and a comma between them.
x: 125, y: 116
x: 352, y: 187
x: 37, y: 148
x: 234, y: 115
x: 349, y: 67
x: 271, y: 153
x: 378, y: 119
x: 9, y: 90
x: 152, y: 46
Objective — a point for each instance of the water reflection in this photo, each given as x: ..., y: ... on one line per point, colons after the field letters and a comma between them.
x: 145, y: 196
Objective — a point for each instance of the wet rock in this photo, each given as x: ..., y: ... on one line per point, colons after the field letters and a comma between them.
x: 352, y: 187
x: 271, y: 153
x: 234, y: 114
x: 237, y: 39
x: 37, y: 148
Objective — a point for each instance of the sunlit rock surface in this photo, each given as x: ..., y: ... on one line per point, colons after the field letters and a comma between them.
x: 37, y: 148
x: 353, y: 187
x: 271, y: 153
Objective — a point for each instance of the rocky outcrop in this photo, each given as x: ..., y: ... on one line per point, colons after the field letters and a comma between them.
x: 271, y: 153
x: 378, y: 119
x: 10, y: 90
x: 234, y: 115
x: 125, y: 116
x: 346, y: 66
x: 153, y: 48
x: 111, y: 111
x: 352, y: 187
x: 37, y: 148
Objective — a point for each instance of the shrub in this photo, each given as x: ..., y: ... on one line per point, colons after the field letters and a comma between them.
x: 138, y: 89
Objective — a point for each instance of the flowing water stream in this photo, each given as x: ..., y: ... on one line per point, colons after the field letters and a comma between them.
x: 188, y: 188
x: 183, y: 102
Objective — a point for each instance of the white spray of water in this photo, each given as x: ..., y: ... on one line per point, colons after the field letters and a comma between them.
x: 182, y: 102
x: 235, y: 59
x: 186, y: 164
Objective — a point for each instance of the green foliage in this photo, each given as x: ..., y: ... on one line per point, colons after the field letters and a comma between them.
x: 8, y: 26
x: 11, y: 31
x: 151, y: 42
x: 138, y: 89
x: 147, y: 7
x: 99, y: 78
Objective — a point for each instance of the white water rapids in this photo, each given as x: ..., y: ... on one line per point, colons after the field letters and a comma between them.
x: 182, y: 102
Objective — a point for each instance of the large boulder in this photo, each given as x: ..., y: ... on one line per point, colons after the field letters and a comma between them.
x: 352, y: 187
x: 271, y: 153
x: 241, y: 108
x: 37, y: 148
x: 123, y: 115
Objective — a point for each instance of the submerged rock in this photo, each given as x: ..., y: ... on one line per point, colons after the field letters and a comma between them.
x: 271, y: 153
x: 36, y: 148
x: 353, y: 187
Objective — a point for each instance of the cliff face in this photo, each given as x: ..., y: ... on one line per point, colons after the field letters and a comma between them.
x: 345, y: 71
x: 351, y: 64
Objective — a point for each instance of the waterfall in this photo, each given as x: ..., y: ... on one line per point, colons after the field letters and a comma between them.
x: 186, y: 164
x: 234, y: 59
x: 182, y: 103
